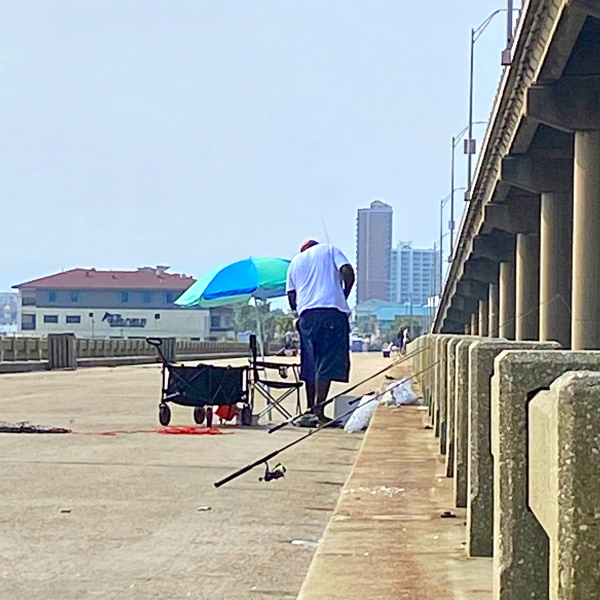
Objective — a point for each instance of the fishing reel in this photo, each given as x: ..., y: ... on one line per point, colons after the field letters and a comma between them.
x: 277, y: 472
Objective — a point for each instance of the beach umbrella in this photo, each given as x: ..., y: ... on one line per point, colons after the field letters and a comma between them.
x: 260, y: 278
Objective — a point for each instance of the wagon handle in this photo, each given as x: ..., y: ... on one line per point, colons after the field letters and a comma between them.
x: 156, y: 342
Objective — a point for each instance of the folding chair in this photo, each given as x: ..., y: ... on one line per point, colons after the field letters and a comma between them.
x: 260, y: 382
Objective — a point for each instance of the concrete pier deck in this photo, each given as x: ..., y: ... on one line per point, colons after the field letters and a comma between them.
x: 388, y: 537
x: 87, y: 515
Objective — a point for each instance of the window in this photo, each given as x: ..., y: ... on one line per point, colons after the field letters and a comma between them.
x: 27, y: 322
x: 50, y: 318
x: 75, y: 296
x: 29, y: 301
x: 170, y: 297
x: 73, y: 319
x: 124, y: 297
x: 215, y: 321
x: 52, y: 296
x: 146, y: 297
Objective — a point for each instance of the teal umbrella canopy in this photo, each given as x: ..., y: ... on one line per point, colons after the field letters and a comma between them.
x: 261, y: 278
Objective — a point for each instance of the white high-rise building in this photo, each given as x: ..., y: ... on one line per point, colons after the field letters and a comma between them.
x: 414, y: 276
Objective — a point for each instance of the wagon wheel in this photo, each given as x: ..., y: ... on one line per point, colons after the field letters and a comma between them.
x: 199, y: 414
x: 209, y: 416
x: 164, y: 414
x: 246, y: 416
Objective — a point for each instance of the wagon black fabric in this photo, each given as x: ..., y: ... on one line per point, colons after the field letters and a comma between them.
x: 205, y: 385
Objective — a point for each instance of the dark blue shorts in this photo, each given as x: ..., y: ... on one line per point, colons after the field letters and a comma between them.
x: 324, y: 345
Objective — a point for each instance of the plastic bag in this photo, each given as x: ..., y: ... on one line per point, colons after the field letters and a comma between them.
x: 402, y: 394
x: 361, y: 417
x: 387, y: 398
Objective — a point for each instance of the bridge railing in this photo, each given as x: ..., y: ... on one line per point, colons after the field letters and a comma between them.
x: 519, y: 426
x: 32, y: 353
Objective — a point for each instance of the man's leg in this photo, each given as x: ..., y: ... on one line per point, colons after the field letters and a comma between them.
x: 322, y: 391
x: 310, y: 395
x: 307, y: 364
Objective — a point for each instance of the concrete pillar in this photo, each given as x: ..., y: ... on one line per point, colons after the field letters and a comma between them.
x: 441, y: 424
x: 527, y: 297
x: 493, y: 307
x: 586, y: 242
x: 556, y: 239
x: 483, y: 318
x: 461, y: 421
x: 480, y: 464
x: 450, y: 402
x: 506, y: 326
x: 474, y: 329
x: 564, y: 428
x: 520, y: 543
x: 62, y: 351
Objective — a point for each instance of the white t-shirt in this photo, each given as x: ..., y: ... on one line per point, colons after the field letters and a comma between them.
x: 315, y: 277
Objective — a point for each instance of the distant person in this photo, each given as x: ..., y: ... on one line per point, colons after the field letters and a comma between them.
x: 289, y: 340
x: 289, y: 345
x: 405, y: 340
x: 319, y: 282
x: 400, y: 337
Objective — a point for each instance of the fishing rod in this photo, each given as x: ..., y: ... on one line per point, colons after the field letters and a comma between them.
x: 279, y: 469
x: 346, y: 391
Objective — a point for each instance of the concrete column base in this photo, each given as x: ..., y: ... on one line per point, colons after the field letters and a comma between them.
x: 520, y: 543
x: 564, y: 429
x: 474, y: 330
x: 506, y: 326
x: 556, y: 237
x: 484, y: 311
x: 480, y: 493
x: 527, y: 272
x: 494, y: 307
x: 586, y: 242
x: 461, y: 422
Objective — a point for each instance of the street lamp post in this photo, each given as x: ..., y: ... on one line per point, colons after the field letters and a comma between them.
x: 470, y: 143
x: 443, y: 203
x: 470, y: 147
x: 450, y: 232
x: 441, y: 251
x: 509, y: 24
x: 455, y: 141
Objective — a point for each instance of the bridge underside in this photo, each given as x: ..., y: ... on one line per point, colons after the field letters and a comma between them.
x: 527, y: 262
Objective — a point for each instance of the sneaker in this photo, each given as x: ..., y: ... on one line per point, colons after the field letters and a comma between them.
x: 307, y: 421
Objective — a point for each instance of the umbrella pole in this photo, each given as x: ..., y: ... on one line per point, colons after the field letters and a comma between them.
x: 261, y: 342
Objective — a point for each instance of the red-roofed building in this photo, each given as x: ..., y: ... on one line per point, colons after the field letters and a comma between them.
x: 119, y: 304
x: 143, y: 279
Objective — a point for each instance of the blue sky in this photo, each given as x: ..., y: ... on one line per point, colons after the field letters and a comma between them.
x: 198, y: 132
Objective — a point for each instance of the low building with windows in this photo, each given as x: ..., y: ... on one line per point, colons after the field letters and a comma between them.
x: 112, y: 304
x: 383, y: 315
x: 221, y: 323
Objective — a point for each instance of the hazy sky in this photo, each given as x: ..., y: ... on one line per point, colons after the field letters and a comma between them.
x: 196, y: 132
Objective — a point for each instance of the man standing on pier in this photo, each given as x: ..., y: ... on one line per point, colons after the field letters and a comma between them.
x: 319, y: 282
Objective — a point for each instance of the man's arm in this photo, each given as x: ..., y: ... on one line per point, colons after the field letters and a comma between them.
x: 347, y: 274
x: 290, y: 288
x: 345, y: 269
x: 292, y: 300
